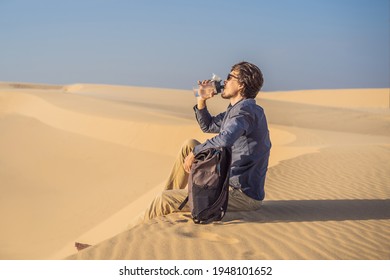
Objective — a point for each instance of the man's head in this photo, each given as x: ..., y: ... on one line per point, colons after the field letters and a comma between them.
x: 245, y: 77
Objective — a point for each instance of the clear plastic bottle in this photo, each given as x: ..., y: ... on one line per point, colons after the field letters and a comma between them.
x: 215, y: 87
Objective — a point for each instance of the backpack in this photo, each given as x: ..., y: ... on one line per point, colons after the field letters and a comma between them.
x: 208, y: 185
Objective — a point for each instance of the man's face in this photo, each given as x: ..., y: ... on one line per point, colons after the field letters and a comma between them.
x: 232, y: 87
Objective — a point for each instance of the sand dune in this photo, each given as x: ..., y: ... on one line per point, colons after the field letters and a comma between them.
x: 80, y: 162
x: 343, y: 98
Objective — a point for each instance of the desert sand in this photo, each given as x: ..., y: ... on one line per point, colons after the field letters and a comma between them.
x: 81, y: 162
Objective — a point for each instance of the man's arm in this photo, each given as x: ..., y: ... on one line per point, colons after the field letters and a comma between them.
x: 237, y: 125
x: 207, y: 123
x: 201, y: 104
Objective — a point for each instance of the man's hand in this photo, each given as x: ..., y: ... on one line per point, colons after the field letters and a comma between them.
x: 206, y: 87
x: 188, y: 161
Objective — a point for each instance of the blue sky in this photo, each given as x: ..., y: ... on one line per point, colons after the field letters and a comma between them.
x: 298, y: 44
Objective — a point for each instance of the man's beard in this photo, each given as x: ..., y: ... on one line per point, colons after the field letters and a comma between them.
x: 226, y: 95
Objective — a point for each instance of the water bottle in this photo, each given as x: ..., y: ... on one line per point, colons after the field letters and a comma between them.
x: 215, y: 87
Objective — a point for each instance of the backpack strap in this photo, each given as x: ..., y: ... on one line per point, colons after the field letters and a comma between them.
x: 183, y: 203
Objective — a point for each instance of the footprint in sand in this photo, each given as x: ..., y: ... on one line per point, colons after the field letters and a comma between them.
x: 209, y: 236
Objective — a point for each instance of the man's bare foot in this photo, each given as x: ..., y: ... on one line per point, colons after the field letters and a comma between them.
x: 81, y: 246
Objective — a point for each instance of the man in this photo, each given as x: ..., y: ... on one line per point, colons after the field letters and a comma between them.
x: 243, y: 128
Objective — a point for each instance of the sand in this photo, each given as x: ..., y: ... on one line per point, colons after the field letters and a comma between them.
x: 80, y: 162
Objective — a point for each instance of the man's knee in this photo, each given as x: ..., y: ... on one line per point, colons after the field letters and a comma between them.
x: 191, y: 143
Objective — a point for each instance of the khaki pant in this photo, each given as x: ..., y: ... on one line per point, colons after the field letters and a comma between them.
x: 175, y: 191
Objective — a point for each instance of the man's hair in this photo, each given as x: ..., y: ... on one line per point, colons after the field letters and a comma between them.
x: 250, y: 77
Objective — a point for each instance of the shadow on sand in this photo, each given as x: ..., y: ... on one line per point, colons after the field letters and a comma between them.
x: 275, y: 211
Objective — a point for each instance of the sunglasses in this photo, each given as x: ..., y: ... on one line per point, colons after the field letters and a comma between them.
x: 231, y: 76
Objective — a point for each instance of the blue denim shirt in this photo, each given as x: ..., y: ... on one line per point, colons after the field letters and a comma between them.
x: 243, y: 128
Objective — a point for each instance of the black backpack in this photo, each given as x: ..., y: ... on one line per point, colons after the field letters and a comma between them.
x: 208, y: 185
